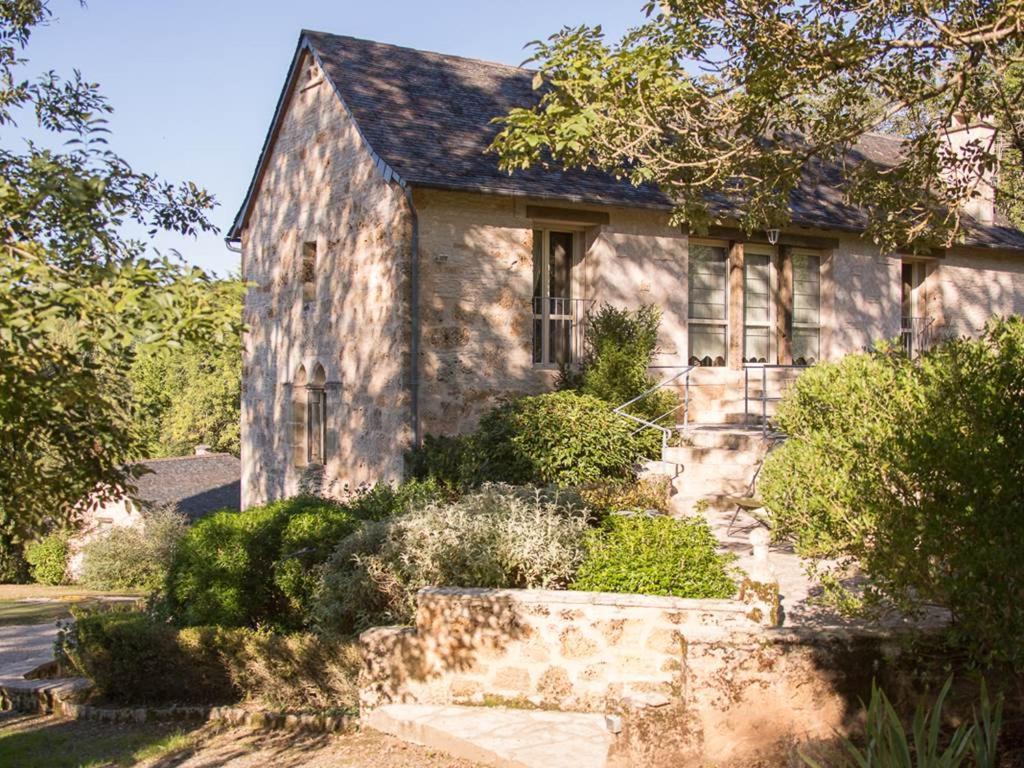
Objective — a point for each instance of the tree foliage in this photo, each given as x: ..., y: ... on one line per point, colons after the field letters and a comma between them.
x: 913, y: 474
x: 79, y: 299
x: 726, y: 104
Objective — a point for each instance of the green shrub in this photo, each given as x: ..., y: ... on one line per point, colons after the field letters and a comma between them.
x: 560, y: 438
x: 914, y: 474
x: 384, y: 500
x: 132, y: 658
x: 441, y: 459
x: 496, y: 537
x: 620, y: 347
x: 294, y: 671
x: 654, y: 556
x: 48, y: 558
x: 135, y: 557
x: 13, y: 566
x: 649, y: 493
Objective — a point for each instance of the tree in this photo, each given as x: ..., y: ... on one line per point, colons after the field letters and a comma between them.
x: 191, y: 394
x: 725, y: 104
x: 79, y: 299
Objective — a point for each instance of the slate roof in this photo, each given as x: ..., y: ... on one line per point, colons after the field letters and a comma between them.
x: 427, y: 116
x: 196, y: 485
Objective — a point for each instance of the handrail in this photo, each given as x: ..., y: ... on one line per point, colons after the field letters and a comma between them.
x: 763, y: 398
x: 666, y: 432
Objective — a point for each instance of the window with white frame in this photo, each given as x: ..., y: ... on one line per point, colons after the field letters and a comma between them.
x: 554, y: 308
x: 708, y: 300
x: 757, y: 302
x: 806, y: 332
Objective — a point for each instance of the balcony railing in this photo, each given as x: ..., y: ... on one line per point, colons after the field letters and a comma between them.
x: 916, y: 335
x: 559, y: 326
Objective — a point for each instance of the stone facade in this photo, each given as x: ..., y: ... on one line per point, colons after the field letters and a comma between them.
x: 321, y: 187
x: 327, y: 247
x: 695, y: 682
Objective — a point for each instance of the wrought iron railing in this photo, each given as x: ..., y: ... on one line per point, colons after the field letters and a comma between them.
x: 916, y: 335
x: 659, y: 422
x: 559, y: 328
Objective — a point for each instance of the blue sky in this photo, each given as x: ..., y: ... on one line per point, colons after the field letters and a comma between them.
x: 193, y: 84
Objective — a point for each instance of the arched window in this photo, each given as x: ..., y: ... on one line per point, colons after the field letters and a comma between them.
x: 309, y: 417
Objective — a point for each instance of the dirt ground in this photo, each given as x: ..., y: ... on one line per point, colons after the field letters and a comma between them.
x: 48, y: 742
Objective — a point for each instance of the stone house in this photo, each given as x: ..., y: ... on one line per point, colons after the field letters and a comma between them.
x: 401, y: 283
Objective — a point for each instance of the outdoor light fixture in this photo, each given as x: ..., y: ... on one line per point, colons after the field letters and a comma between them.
x: 773, y: 236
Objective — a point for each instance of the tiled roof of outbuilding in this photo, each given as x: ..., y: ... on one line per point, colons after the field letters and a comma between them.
x: 195, y: 485
x: 428, y: 118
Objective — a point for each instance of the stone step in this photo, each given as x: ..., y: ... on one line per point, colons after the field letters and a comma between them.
x: 504, y: 738
x: 723, y: 436
x: 685, y: 505
x: 692, y: 455
x: 720, y: 486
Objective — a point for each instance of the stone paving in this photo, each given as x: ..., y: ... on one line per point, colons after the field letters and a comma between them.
x: 25, y: 647
x: 507, y: 738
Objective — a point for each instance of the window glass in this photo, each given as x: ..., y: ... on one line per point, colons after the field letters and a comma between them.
x: 554, y: 309
x: 707, y: 296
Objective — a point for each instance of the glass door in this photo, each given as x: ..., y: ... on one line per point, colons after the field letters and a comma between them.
x: 552, y: 297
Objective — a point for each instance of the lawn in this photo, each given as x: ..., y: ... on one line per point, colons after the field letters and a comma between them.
x: 35, y: 742
x: 42, y: 604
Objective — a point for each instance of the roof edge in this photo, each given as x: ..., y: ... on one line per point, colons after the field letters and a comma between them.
x: 304, y: 45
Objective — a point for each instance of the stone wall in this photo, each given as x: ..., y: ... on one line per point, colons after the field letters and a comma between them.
x: 321, y: 186
x: 705, y: 680
x: 969, y: 287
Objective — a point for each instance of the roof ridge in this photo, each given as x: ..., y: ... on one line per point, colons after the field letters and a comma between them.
x: 443, y: 55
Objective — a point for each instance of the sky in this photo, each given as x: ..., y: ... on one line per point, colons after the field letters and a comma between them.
x: 194, y: 83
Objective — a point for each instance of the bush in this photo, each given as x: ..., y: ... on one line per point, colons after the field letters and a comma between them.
x: 132, y: 658
x: 654, y: 556
x: 648, y: 494
x: 495, y: 537
x: 441, y: 459
x: 295, y: 671
x: 135, y: 557
x: 261, y: 566
x: 913, y: 473
x: 13, y: 566
x: 620, y: 347
x: 561, y: 438
x: 48, y: 558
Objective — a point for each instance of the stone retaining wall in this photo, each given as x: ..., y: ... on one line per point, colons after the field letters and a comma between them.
x: 703, y: 680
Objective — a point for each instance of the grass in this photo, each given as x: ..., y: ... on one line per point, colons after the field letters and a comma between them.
x: 44, y: 604
x: 33, y: 742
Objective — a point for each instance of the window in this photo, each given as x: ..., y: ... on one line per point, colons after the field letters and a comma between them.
x: 309, y: 271
x: 707, y: 296
x: 806, y: 308
x: 554, y: 309
x: 309, y: 417
x: 757, y: 276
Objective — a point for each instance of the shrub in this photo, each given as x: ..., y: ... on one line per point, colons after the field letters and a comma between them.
x: 226, y: 569
x: 384, y: 500
x: 13, y: 566
x: 495, y: 537
x: 132, y: 658
x: 295, y: 671
x: 913, y: 473
x: 649, y: 493
x: 135, y: 557
x: 620, y: 347
x: 48, y: 558
x: 654, y: 556
x: 560, y: 438
x: 441, y: 459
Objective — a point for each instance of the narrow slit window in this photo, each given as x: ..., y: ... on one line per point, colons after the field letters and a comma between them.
x: 556, y: 313
x: 309, y: 259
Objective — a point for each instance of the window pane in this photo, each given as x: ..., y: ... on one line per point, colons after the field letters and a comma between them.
x: 315, y: 437
x: 806, y: 290
x: 805, y: 346
x: 707, y: 280
x: 538, y: 340
x: 560, y: 266
x: 707, y: 344
x: 757, y: 274
x: 559, y: 341
x: 538, y: 263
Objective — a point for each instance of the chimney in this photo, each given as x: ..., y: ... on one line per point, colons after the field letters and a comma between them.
x: 202, y: 450
x: 973, y: 142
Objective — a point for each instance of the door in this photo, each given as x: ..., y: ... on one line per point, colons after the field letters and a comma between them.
x: 913, y: 323
x: 553, y: 304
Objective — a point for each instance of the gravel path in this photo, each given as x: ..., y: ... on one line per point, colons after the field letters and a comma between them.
x: 23, y: 648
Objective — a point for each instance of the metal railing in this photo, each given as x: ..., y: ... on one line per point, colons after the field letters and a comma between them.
x: 916, y: 335
x: 562, y: 328
x: 763, y: 398
x: 666, y: 432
